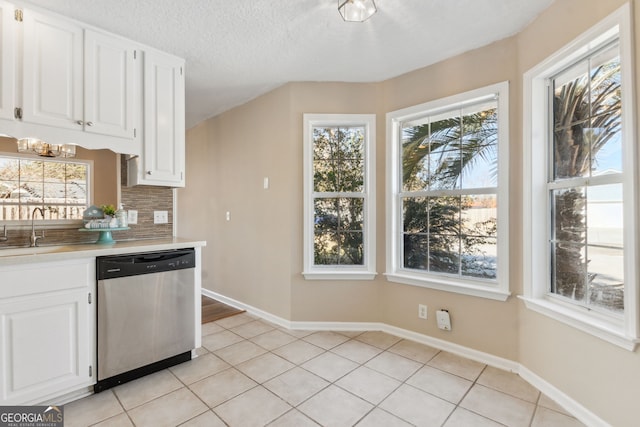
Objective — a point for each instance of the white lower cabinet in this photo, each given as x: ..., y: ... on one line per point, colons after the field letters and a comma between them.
x: 47, y: 320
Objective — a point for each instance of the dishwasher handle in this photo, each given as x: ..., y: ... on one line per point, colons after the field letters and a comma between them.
x: 156, y: 256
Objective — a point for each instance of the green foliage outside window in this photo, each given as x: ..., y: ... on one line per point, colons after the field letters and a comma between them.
x: 338, y: 185
x: 449, y: 180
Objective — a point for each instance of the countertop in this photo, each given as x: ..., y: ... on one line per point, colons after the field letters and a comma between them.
x: 13, y: 256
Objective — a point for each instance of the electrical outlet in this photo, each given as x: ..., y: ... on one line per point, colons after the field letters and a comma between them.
x: 160, y: 217
x: 422, y: 311
x: 132, y: 216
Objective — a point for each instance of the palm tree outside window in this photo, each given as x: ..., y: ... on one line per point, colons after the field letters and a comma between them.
x: 580, y: 161
x: 447, y: 187
x: 586, y: 182
x: 449, y: 203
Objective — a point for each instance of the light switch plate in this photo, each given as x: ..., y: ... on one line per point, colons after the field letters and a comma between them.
x: 160, y: 217
x: 132, y: 216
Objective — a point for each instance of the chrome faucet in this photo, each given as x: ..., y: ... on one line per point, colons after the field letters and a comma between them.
x: 34, y: 238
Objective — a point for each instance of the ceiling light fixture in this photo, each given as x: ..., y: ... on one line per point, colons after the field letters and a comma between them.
x: 356, y: 10
x: 44, y: 149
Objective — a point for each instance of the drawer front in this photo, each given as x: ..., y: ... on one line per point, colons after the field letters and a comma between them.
x: 27, y: 279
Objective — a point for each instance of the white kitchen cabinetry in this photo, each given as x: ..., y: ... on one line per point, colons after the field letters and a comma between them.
x: 162, y: 161
x: 52, y: 71
x: 109, y: 102
x: 7, y: 59
x: 47, y: 342
x: 66, y: 82
x: 76, y: 79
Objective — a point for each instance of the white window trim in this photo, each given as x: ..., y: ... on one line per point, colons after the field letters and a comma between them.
x: 621, y: 331
x: 367, y: 271
x: 394, y: 273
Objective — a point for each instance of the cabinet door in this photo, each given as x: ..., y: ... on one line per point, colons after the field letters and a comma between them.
x: 44, y: 346
x: 7, y: 60
x: 109, y: 85
x: 52, y: 71
x: 164, y: 132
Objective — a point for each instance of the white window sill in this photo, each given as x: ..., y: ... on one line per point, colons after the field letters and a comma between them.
x: 476, y: 289
x: 339, y: 275
x: 608, y: 331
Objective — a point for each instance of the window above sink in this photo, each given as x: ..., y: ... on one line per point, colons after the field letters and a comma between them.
x: 61, y: 188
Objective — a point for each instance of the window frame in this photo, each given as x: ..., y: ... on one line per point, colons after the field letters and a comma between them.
x: 366, y: 271
x: 621, y: 330
x: 499, y: 289
x: 58, y: 223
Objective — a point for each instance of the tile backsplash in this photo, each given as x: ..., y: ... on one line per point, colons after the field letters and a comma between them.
x: 143, y: 198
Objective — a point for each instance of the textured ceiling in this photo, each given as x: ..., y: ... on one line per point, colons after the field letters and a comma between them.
x: 236, y: 50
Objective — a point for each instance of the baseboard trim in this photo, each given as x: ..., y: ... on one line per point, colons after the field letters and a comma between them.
x: 576, y: 409
x: 248, y: 308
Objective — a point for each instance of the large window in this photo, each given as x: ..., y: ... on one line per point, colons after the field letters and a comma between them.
x: 586, y: 180
x: 447, y: 186
x: 339, y: 196
x: 59, y: 187
x: 580, y: 185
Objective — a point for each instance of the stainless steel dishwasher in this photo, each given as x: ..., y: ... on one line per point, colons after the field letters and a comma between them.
x: 146, y: 313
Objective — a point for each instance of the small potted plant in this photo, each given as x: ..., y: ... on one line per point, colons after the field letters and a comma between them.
x: 109, y: 216
x: 108, y: 210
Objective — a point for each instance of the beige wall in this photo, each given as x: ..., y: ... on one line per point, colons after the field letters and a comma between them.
x: 256, y: 257
x: 247, y: 258
x: 339, y: 301
x: 482, y: 324
x: 602, y: 377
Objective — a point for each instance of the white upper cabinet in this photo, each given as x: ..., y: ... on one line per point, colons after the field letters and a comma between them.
x: 162, y: 161
x: 7, y: 60
x: 163, y: 118
x: 66, y: 82
x: 77, y: 79
x: 109, y: 85
x: 52, y: 72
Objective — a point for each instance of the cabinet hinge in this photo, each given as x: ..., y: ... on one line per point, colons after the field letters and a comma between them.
x: 134, y: 133
x: 90, y: 370
x: 17, y: 113
x: 89, y: 298
x: 18, y: 15
x: 180, y: 70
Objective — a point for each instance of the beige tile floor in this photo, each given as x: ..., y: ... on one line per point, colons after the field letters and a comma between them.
x: 252, y: 373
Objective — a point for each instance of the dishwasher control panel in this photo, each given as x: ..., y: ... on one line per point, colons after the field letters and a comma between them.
x: 109, y: 267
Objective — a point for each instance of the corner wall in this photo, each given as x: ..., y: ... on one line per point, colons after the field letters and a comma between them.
x: 248, y: 256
